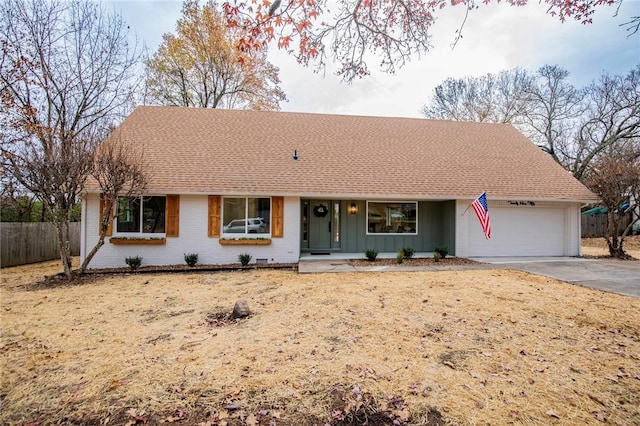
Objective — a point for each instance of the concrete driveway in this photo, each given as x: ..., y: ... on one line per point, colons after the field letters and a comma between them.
x: 616, y: 276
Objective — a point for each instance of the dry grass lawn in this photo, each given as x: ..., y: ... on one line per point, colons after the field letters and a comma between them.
x: 598, y: 246
x: 483, y: 347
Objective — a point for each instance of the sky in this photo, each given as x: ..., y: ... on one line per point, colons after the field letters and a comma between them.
x: 496, y: 37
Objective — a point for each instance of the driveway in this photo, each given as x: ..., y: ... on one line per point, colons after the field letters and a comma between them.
x: 615, y: 276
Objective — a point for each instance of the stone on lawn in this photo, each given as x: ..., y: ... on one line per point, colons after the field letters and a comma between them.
x: 241, y: 309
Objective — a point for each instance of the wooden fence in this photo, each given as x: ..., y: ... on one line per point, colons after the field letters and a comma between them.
x: 595, y: 225
x: 22, y: 243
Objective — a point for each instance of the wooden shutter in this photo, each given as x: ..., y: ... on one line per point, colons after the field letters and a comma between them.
x: 214, y: 216
x: 277, y: 215
x: 173, y: 215
x: 104, y: 204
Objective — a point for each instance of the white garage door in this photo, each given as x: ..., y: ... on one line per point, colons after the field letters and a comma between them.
x: 519, y: 231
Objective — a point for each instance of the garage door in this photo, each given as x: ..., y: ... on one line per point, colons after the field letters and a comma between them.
x: 519, y: 231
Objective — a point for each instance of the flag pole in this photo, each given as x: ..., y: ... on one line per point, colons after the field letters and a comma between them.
x: 469, y: 206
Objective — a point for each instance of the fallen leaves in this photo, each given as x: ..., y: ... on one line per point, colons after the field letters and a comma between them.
x: 175, y: 417
x: 356, y: 406
x: 138, y: 419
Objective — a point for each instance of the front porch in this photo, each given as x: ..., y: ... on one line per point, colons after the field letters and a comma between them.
x: 332, y: 227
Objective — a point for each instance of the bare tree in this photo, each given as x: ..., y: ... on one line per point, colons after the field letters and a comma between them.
x: 632, y: 25
x: 611, y: 122
x: 575, y: 126
x: 552, y: 109
x: 119, y: 171
x: 66, y: 74
x: 489, y: 98
x: 615, y: 178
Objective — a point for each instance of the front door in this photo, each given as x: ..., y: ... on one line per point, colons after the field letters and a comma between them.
x: 324, y: 217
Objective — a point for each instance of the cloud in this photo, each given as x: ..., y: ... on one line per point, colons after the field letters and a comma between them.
x: 495, y: 37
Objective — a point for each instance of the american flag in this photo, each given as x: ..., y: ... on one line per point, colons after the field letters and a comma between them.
x: 482, y: 211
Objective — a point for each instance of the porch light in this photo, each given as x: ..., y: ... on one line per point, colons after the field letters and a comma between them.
x: 353, y: 209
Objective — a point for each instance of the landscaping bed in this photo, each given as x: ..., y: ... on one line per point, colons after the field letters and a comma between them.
x: 414, y: 261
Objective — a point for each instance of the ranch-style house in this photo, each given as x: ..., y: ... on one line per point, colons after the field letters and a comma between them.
x: 281, y: 186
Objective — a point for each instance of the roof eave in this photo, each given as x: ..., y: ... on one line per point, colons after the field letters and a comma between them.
x: 366, y: 196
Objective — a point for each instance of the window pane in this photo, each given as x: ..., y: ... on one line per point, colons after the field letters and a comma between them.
x: 259, y: 220
x: 128, y: 215
x: 256, y: 220
x: 336, y: 222
x: 151, y: 210
x: 153, y: 214
x: 391, y: 218
x: 305, y: 221
x: 233, y: 215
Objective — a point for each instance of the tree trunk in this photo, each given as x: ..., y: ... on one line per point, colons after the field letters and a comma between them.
x: 62, y: 228
x: 94, y: 250
x: 106, y: 217
x: 616, y: 249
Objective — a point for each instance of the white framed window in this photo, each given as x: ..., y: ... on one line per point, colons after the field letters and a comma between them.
x: 246, y: 216
x: 392, y: 217
x: 141, y: 215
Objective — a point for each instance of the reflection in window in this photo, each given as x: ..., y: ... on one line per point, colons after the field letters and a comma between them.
x: 305, y: 221
x: 391, y: 218
x: 246, y: 215
x: 141, y: 215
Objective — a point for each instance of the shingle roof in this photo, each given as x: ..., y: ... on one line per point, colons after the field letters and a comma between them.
x: 213, y: 151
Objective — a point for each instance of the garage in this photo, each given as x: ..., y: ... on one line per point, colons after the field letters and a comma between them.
x: 520, y: 230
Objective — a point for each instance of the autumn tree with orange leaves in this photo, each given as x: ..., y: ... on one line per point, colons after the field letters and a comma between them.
x: 394, y: 30
x: 201, y: 66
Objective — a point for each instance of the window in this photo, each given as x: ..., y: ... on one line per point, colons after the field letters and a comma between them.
x: 246, y: 216
x: 141, y: 215
x: 392, y: 217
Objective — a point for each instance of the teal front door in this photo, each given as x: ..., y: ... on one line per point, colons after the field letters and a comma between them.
x: 324, y: 216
